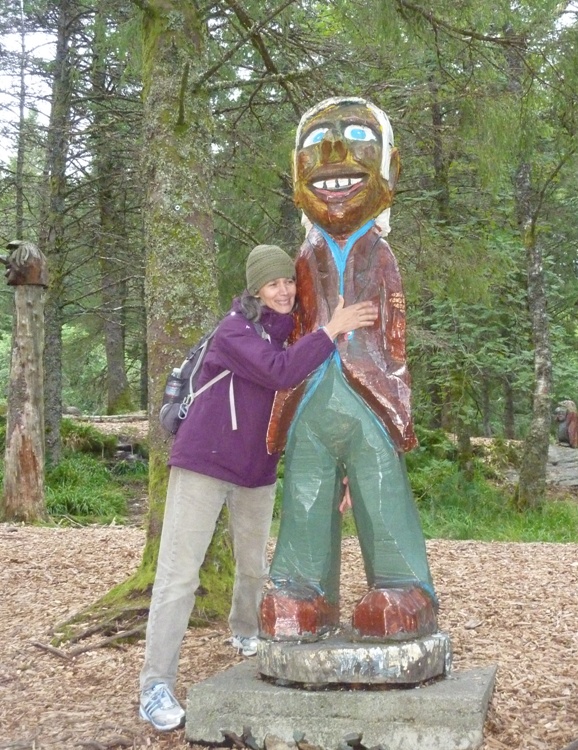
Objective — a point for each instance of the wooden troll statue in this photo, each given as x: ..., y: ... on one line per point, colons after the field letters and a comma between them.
x: 567, y: 419
x: 352, y: 417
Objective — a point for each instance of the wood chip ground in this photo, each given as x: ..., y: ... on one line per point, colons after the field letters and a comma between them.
x: 513, y: 605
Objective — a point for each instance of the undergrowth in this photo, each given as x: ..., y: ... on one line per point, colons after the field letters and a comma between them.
x: 81, y: 488
x: 455, y: 507
x: 88, y: 487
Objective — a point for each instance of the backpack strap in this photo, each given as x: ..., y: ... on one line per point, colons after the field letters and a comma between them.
x: 264, y: 335
x: 192, y: 395
x: 232, y: 403
x: 261, y: 331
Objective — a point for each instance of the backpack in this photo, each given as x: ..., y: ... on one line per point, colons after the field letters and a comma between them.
x: 180, y: 391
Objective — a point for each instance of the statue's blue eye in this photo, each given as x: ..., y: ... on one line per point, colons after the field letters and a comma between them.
x: 359, y: 133
x: 315, y: 136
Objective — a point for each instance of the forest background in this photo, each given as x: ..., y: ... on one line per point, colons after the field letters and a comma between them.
x: 151, y: 150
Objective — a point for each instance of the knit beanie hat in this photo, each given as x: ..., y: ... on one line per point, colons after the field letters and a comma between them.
x: 266, y: 263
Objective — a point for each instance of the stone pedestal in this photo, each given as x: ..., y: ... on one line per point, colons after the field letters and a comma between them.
x: 447, y: 714
x: 339, y: 661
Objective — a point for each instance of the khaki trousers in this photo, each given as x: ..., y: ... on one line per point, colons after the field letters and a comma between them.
x: 194, y: 502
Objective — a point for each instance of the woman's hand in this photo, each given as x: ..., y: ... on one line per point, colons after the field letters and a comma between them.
x: 346, y: 502
x: 345, y: 319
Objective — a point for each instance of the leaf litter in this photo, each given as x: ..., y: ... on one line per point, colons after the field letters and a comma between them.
x: 506, y: 604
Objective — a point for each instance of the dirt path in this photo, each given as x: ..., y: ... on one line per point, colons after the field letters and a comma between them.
x: 514, y: 605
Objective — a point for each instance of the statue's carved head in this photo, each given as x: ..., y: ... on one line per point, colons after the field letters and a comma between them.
x: 563, y: 409
x: 345, y: 167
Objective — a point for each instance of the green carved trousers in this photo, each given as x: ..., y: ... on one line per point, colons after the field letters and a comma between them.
x: 334, y: 435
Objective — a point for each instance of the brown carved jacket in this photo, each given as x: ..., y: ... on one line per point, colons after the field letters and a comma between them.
x: 373, y: 359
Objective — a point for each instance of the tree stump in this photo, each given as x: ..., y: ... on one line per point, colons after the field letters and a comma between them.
x: 23, y: 498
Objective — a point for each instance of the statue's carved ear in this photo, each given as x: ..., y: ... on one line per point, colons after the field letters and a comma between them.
x: 394, y: 168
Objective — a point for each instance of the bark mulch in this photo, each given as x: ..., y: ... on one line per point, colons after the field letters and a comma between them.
x: 513, y: 605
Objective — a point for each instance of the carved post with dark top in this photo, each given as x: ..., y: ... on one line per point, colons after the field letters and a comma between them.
x: 23, y: 498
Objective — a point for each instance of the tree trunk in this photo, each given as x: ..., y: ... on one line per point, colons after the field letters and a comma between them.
x: 51, y: 234
x: 441, y: 162
x: 532, y: 484
x: 486, y: 405
x: 181, y: 291
x: 509, y: 414
x: 23, y: 498
x: 20, y: 153
x: 111, y: 236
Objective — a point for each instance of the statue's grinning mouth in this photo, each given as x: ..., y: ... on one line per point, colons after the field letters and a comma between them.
x: 337, y: 183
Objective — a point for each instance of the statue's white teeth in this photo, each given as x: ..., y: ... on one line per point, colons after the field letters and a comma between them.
x: 339, y: 183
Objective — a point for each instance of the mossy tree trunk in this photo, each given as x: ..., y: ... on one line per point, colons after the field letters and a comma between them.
x: 531, y: 488
x: 181, y: 288
x: 51, y: 239
x: 111, y: 237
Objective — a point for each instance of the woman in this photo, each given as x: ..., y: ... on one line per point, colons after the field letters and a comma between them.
x: 219, y: 456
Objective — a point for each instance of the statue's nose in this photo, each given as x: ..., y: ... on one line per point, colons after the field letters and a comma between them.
x: 333, y: 148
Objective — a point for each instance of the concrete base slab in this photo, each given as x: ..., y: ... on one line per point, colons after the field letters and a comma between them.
x: 446, y: 715
x: 337, y: 660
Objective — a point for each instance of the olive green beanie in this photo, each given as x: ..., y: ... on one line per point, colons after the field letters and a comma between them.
x: 266, y: 263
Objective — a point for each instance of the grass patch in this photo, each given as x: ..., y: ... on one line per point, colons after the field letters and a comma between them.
x: 80, y: 437
x: 459, y: 509
x: 88, y: 486
x: 83, y: 489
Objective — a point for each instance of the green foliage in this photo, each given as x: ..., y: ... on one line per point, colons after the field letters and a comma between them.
x: 5, y: 347
x: 279, y: 488
x: 454, y: 507
x: 130, y: 470
x: 85, y: 370
x: 82, y: 488
x: 430, y: 463
x: 84, y: 438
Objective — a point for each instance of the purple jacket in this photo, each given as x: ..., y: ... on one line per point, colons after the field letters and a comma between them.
x: 206, y: 442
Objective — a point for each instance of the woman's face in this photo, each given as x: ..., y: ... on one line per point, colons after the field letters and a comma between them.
x: 278, y: 294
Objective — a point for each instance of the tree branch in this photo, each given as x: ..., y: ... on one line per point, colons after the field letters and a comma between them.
x: 253, y: 240
x: 253, y: 30
x: 280, y: 78
x: 261, y: 47
x: 436, y: 22
x: 551, y: 177
x: 142, y: 4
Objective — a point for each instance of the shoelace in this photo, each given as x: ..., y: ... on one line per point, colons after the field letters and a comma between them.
x: 160, y: 698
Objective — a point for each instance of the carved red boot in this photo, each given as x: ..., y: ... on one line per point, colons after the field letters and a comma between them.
x: 296, y: 613
x: 395, y: 614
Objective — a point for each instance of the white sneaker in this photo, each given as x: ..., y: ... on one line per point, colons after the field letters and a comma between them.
x: 245, y: 644
x: 159, y: 706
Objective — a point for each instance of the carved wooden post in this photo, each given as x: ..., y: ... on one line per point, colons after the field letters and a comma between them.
x: 23, y: 498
